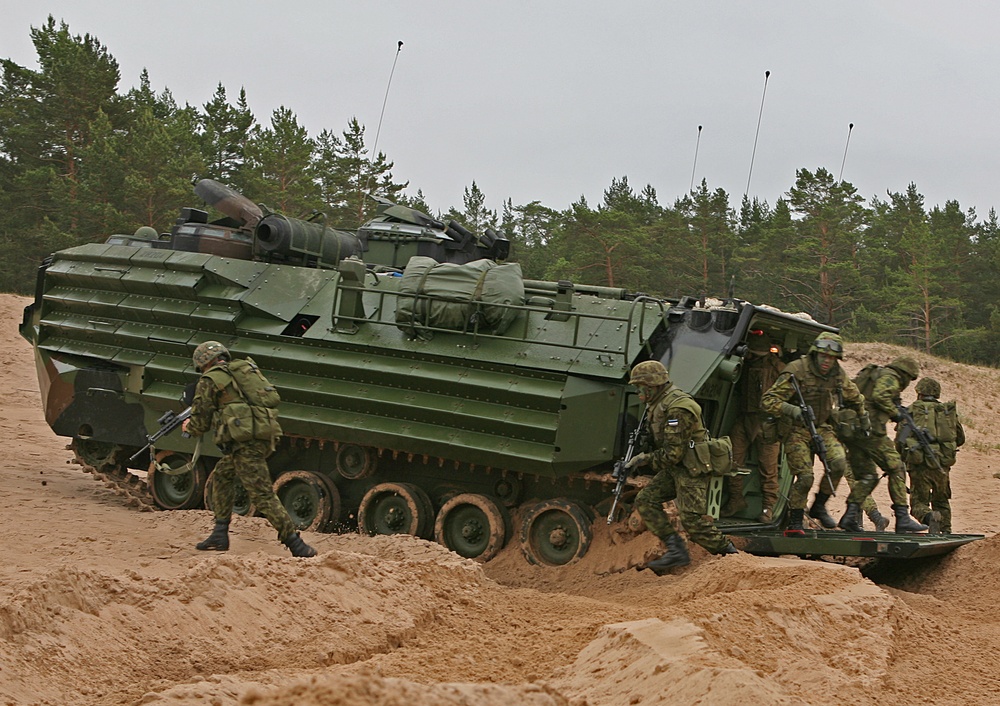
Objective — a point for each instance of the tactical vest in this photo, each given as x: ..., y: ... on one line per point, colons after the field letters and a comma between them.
x: 819, y: 392
x: 704, y: 455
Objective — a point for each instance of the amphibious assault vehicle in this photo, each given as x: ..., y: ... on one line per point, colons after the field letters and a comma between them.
x: 426, y: 389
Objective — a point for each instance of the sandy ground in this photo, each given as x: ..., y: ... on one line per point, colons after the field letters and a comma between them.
x: 103, y: 604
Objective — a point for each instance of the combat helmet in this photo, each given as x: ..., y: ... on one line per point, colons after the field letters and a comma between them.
x: 828, y: 343
x: 208, y: 352
x: 906, y: 365
x: 928, y: 387
x: 649, y: 373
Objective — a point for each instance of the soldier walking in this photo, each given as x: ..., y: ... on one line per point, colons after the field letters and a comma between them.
x: 819, y: 376
x: 931, y: 476
x: 675, y: 422
x: 245, y: 460
x: 885, y: 384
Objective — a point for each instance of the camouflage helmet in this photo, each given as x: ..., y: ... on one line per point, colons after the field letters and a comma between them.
x: 928, y: 387
x: 207, y: 353
x: 649, y: 373
x: 828, y: 343
x: 906, y: 365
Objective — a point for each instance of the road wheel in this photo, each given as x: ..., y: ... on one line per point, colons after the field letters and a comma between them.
x: 396, y: 508
x: 306, y: 498
x: 176, y: 491
x: 473, y: 526
x: 555, y: 532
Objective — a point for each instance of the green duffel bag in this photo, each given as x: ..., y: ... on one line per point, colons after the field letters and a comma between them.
x: 476, y: 296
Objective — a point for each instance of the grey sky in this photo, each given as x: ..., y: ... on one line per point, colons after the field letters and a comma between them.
x: 549, y: 101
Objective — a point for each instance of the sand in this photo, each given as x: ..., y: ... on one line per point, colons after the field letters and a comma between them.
x: 101, y: 603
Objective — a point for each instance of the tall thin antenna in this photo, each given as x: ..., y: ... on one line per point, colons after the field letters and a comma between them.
x: 399, y: 47
x: 767, y: 75
x: 849, y: 128
x: 693, y: 166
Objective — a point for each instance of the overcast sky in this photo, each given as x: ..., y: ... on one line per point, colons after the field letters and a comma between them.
x: 549, y: 101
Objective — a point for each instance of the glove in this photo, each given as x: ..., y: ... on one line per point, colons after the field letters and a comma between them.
x: 865, y: 424
x: 639, y: 460
x: 791, y: 410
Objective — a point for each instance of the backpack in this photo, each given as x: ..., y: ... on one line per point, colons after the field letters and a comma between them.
x: 940, y: 419
x: 251, y: 410
x: 865, y: 380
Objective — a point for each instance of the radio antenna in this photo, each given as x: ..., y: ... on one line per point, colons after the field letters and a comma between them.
x: 767, y: 75
x: 696, y: 144
x: 399, y: 47
x: 849, y: 128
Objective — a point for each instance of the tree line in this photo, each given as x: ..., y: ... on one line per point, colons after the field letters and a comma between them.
x: 79, y: 161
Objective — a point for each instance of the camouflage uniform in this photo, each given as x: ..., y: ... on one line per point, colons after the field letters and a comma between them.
x: 864, y: 454
x: 819, y: 392
x: 673, y: 427
x: 245, y: 460
x: 931, y: 485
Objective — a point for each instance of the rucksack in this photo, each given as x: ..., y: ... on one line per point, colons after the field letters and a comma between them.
x: 940, y: 419
x: 251, y: 412
x: 865, y: 380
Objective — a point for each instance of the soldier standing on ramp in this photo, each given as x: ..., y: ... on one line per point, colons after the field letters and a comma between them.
x: 216, y: 394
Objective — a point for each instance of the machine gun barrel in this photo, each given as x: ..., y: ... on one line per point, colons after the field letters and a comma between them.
x: 620, y: 472
x: 168, y: 421
x: 819, y: 446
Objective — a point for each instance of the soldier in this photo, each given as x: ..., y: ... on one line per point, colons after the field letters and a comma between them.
x: 819, y: 376
x: 885, y: 385
x: 674, y: 421
x: 244, y: 460
x: 760, y: 369
x: 931, y: 482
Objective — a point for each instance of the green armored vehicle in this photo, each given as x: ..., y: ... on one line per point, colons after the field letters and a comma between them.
x: 426, y: 388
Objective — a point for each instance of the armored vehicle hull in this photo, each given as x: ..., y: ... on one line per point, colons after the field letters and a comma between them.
x: 391, y: 425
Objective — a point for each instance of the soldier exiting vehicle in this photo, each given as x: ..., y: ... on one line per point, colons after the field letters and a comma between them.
x: 930, y: 468
x: 818, y: 376
x: 761, y: 367
x: 881, y: 387
x: 217, y: 398
x: 675, y: 423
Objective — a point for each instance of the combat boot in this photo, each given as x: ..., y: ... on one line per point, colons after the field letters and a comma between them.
x: 818, y: 511
x: 676, y: 555
x: 905, y: 523
x: 766, y: 516
x: 735, y: 505
x: 851, y: 521
x: 794, y: 528
x: 297, y: 547
x: 933, y: 521
x: 730, y: 548
x: 219, y: 539
x: 880, y: 520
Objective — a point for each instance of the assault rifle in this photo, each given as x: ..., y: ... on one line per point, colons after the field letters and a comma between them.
x: 809, y: 417
x: 620, y: 473
x: 922, y: 436
x: 168, y: 422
